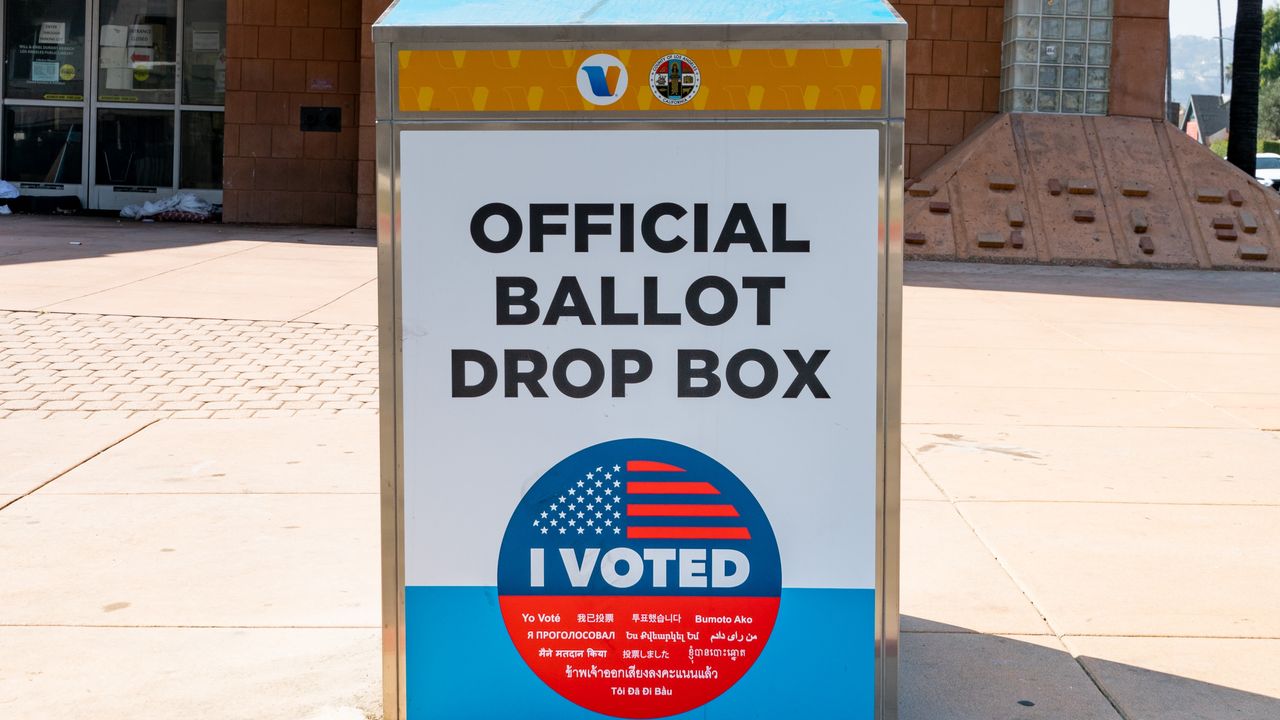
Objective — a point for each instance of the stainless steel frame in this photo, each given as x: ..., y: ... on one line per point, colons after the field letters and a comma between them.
x: 889, y: 121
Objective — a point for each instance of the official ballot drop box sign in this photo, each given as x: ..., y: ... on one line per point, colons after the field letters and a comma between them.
x: 640, y: 278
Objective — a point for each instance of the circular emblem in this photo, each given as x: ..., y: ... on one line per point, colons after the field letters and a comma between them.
x: 675, y: 79
x: 602, y: 79
x: 67, y: 73
x: 639, y: 579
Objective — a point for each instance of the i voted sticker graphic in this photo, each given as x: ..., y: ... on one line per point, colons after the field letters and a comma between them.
x: 639, y: 578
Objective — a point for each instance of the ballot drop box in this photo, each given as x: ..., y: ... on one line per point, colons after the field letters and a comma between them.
x: 639, y: 281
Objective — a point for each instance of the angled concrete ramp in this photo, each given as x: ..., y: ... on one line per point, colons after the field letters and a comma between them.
x: 1074, y: 190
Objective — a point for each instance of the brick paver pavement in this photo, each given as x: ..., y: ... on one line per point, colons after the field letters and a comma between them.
x: 177, y: 367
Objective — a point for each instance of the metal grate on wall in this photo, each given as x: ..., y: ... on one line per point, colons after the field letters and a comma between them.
x: 1056, y: 56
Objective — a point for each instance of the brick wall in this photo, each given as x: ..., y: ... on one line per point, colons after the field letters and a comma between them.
x: 953, y: 68
x: 1139, y: 57
x: 953, y: 73
x: 286, y: 54
x: 366, y: 185
x: 283, y: 55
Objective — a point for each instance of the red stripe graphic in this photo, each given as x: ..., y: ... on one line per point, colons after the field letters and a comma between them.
x: 688, y: 533
x: 671, y: 488
x: 649, y: 466
x: 682, y: 511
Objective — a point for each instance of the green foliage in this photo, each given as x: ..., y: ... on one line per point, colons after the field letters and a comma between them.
x: 1269, y: 110
x: 1270, y: 66
x: 1219, y: 147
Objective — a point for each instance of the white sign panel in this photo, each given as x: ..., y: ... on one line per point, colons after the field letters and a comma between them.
x: 639, y: 394
x: 52, y: 33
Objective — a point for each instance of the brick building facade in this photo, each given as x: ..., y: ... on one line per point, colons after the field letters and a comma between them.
x: 955, y: 57
x: 110, y: 102
x: 284, y: 55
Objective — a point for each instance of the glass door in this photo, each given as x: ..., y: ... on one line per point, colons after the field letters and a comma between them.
x: 114, y: 102
x: 204, y: 91
x: 42, y: 123
x: 134, y: 102
x: 158, y: 97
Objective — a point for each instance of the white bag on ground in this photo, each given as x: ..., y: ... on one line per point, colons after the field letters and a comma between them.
x: 186, y: 202
x: 8, y: 191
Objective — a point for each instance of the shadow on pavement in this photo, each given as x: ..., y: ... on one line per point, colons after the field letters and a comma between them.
x: 952, y: 673
x: 35, y: 238
x: 1225, y: 287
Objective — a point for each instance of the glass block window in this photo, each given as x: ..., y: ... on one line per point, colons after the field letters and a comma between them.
x: 1056, y: 56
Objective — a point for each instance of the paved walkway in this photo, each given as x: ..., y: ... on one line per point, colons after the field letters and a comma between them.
x: 150, y: 320
x: 124, y: 267
x: 1091, y: 521
x: 1091, y: 518
x: 151, y: 366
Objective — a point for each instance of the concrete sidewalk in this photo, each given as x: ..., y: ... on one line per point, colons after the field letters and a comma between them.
x: 1091, y: 522
x: 124, y: 267
x: 1091, y: 517
x: 188, y: 321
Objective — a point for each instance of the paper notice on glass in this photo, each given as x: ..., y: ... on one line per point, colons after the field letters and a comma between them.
x: 113, y: 57
x: 119, y: 79
x: 141, y: 36
x: 113, y: 36
x: 141, y: 57
x: 43, y: 71
x: 206, y: 41
x: 53, y: 33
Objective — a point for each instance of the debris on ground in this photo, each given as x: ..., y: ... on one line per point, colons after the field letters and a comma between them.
x: 8, y: 191
x: 183, y: 207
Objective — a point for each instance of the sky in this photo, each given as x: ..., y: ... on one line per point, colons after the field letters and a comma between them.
x: 1200, y: 17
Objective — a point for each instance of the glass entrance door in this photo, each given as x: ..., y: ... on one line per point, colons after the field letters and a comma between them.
x: 43, y: 96
x: 113, y: 101
x: 158, y: 100
x: 135, y: 102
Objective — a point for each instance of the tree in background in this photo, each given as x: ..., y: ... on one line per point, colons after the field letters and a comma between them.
x: 1242, y: 147
x: 1269, y: 94
x: 1269, y: 111
x: 1270, y: 46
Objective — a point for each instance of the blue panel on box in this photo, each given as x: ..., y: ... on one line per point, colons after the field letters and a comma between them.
x: 435, y: 13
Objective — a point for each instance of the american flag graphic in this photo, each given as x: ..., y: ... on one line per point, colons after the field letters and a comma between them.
x: 641, y: 500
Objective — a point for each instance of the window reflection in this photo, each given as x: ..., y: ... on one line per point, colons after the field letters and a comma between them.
x: 43, y: 144
x: 44, y: 49
x: 135, y: 147
x: 201, y: 167
x: 204, y: 68
x: 137, y: 46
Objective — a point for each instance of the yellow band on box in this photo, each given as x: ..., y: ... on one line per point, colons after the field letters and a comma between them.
x: 518, y: 81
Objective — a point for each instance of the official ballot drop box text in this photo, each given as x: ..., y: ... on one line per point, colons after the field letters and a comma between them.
x: 639, y: 284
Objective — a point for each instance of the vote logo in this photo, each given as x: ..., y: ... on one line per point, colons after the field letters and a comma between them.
x: 639, y: 578
x: 675, y: 79
x: 602, y: 79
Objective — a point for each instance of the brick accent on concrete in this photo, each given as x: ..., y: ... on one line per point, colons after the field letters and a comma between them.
x: 151, y: 366
x: 283, y: 55
x: 1085, y: 190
